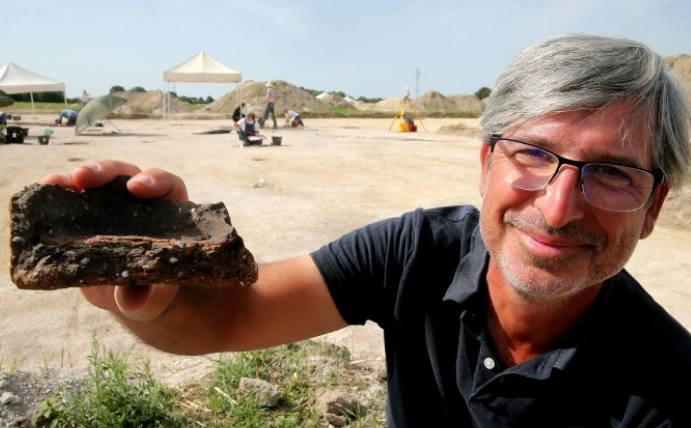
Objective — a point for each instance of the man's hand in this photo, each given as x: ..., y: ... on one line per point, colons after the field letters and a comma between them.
x: 141, y: 303
x: 151, y: 183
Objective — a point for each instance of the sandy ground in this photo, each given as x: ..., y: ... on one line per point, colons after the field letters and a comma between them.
x: 324, y: 180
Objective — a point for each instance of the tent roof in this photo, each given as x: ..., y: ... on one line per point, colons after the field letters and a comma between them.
x: 202, y: 68
x: 17, y: 80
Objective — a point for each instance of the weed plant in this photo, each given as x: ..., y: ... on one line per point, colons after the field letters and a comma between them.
x: 115, y: 394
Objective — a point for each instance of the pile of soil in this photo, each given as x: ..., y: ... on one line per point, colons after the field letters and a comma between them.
x: 253, y: 94
x: 146, y: 104
x: 681, y: 64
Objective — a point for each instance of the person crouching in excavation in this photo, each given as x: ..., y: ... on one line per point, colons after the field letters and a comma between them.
x: 292, y: 118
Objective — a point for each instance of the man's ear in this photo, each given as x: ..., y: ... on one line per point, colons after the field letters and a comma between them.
x: 485, y: 163
x: 653, y: 210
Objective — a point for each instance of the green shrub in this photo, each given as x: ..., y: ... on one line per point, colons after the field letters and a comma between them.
x: 483, y: 93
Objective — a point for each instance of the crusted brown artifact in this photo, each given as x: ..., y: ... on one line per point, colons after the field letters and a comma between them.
x: 61, y: 238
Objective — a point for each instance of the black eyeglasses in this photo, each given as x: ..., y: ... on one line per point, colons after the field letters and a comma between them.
x: 608, y: 186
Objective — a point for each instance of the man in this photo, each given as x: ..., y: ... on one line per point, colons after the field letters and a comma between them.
x: 269, y: 107
x: 247, y: 127
x: 69, y: 115
x: 86, y: 97
x: 518, y: 315
x: 292, y: 118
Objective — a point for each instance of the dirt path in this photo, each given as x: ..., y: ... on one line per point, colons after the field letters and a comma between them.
x: 327, y: 179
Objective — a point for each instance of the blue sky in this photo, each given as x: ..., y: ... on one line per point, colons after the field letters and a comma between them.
x: 371, y: 48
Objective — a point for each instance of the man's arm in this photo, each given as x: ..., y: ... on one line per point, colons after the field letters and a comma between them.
x: 289, y: 302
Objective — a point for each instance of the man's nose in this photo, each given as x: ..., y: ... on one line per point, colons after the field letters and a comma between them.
x: 561, y: 201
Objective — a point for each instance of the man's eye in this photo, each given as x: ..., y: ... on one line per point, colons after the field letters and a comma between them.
x: 611, y: 172
x: 532, y: 155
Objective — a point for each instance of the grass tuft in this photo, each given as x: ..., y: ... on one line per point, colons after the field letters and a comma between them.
x: 115, y: 394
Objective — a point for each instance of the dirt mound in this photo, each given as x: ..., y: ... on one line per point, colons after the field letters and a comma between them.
x: 435, y: 102
x: 143, y: 104
x: 432, y: 102
x: 253, y: 94
x: 461, y: 128
x: 681, y: 64
x: 676, y: 212
x: 289, y: 96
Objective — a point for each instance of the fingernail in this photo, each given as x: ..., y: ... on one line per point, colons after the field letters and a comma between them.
x: 143, y: 179
x: 92, y: 166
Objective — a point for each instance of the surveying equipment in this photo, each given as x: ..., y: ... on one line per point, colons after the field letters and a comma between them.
x: 406, y: 122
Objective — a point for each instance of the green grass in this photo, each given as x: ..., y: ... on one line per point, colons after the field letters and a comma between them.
x: 116, y: 394
x: 113, y: 396
x: 41, y: 108
x: 9, y: 366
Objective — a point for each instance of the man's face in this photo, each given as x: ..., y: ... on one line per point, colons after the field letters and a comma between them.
x: 551, y: 242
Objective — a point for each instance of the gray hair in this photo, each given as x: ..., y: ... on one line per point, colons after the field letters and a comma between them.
x: 585, y: 72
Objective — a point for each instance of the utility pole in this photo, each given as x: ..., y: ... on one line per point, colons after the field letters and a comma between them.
x: 417, y: 83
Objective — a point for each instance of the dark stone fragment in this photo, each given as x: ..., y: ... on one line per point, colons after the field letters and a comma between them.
x: 61, y: 238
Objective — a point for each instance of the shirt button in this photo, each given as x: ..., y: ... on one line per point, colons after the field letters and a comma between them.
x: 489, y: 363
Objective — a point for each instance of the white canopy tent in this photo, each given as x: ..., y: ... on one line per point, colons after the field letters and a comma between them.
x: 17, y: 80
x: 199, y: 69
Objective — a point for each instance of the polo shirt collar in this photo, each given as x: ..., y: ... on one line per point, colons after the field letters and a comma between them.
x: 470, y: 272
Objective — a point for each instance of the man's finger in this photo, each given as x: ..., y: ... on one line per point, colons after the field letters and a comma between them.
x: 158, y: 183
x: 99, y: 172
x: 146, y: 302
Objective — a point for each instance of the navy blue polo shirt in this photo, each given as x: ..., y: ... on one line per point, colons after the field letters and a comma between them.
x: 421, y: 278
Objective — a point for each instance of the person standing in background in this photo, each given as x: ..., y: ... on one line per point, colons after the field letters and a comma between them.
x: 85, y: 97
x: 270, y: 103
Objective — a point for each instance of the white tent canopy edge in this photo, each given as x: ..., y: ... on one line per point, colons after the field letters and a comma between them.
x: 17, y: 80
x: 201, y: 68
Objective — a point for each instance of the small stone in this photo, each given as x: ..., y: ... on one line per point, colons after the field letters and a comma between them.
x: 8, y: 398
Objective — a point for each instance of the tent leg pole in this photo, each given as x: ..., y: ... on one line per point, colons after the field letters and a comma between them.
x: 119, y: 131
x: 33, y: 108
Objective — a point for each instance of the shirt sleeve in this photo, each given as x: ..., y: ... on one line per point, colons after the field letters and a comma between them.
x: 374, y: 271
x: 354, y: 266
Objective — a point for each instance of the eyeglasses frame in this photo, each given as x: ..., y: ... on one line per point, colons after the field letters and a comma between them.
x: 658, y: 175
